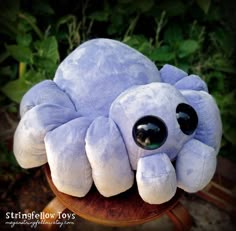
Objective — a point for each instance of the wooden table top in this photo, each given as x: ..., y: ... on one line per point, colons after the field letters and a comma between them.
x: 125, y: 209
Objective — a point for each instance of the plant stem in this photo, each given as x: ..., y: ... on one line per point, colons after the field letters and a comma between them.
x: 35, y: 28
x: 83, y: 21
x: 160, y: 24
x: 131, y: 27
x: 90, y: 27
x: 22, y: 68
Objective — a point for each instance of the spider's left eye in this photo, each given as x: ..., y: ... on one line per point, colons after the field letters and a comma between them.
x: 149, y: 132
x: 187, y: 118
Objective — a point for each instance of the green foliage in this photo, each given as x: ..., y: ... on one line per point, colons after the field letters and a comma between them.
x: 193, y: 35
x: 20, y: 53
x: 35, y: 53
x: 15, y: 89
x: 39, y: 58
x: 9, y: 165
x: 204, y: 5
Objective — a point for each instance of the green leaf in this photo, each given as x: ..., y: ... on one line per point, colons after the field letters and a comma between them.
x: 145, y: 48
x: 48, y: 48
x: 117, y: 24
x: 229, y: 128
x: 139, y: 42
x: 224, y: 67
x: 162, y: 54
x: 13, y: 107
x: 15, y: 89
x: 187, y: 47
x: 215, y: 81
x: 134, y: 41
x: 27, y: 22
x: 68, y: 19
x: 204, y: 5
x: 184, y: 65
x: 24, y: 39
x: 173, y: 8
x: 221, y: 63
x: 227, y: 105
x: 32, y: 77
x: 223, y: 39
x: 43, y: 7
x: 20, y: 53
x: 101, y: 16
x: 173, y: 34
x: 46, y: 65
x: 144, y: 5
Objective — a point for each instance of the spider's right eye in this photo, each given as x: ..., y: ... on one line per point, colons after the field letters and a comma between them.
x: 187, y: 118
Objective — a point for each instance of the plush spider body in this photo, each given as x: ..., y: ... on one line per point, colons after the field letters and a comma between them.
x: 109, y: 112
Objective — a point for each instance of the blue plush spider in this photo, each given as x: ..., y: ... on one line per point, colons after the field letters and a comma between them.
x: 108, y: 112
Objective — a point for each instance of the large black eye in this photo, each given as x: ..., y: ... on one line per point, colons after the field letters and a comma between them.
x: 187, y: 118
x: 149, y: 132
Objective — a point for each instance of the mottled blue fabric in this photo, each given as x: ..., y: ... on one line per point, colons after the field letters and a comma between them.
x: 82, y: 124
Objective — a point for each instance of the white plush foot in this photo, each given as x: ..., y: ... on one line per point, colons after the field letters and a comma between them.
x: 107, y: 155
x: 156, y: 178
x: 195, y: 166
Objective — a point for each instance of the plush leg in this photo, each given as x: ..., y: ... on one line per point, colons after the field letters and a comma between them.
x: 209, y: 129
x: 70, y: 168
x: 108, y: 157
x: 29, y: 147
x: 46, y: 91
x: 156, y: 178
x: 195, y: 166
x: 171, y: 74
x: 191, y: 82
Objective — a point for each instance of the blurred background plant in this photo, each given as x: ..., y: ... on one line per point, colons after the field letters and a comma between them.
x: 196, y: 36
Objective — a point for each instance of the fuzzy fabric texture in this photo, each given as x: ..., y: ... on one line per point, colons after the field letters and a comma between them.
x: 110, y: 113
